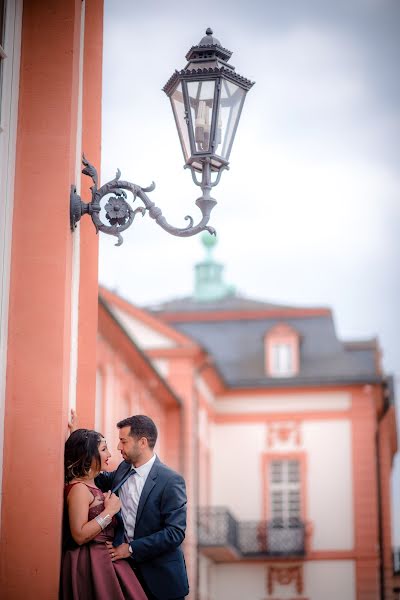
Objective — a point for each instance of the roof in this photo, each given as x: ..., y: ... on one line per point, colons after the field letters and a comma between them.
x: 109, y: 326
x: 233, y: 329
x: 232, y: 302
x: 116, y: 303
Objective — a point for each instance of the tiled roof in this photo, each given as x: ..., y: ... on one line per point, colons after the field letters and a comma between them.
x: 237, y: 345
x: 233, y: 302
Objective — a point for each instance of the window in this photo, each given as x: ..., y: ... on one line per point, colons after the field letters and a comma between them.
x: 282, y: 360
x: 285, y: 492
x: 282, y: 351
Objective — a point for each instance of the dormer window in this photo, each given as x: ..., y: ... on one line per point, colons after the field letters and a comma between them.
x: 282, y: 351
x: 282, y: 360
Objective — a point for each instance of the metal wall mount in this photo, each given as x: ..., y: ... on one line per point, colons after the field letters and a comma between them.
x: 120, y: 214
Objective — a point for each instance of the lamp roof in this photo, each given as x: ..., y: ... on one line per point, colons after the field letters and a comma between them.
x: 207, y: 59
x: 209, y: 49
x: 209, y: 39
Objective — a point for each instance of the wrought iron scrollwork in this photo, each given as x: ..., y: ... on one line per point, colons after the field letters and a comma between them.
x: 120, y: 214
x: 218, y: 527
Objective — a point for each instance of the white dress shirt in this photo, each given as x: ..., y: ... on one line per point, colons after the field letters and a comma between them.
x: 130, y: 493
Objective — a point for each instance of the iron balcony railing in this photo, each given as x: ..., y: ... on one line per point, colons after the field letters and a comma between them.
x: 217, y: 527
x: 396, y: 561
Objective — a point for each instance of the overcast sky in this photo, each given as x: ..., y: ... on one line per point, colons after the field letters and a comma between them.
x: 309, y: 212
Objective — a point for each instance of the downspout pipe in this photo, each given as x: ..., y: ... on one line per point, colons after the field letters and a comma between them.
x: 387, y: 393
x: 207, y: 362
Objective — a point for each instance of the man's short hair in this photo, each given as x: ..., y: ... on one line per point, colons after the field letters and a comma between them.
x: 141, y: 426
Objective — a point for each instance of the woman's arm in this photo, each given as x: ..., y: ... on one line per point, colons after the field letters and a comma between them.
x: 78, y: 501
x: 73, y: 421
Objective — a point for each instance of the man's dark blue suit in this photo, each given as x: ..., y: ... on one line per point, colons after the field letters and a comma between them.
x: 159, y: 529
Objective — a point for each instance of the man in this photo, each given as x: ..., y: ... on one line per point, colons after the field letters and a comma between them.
x: 153, y: 501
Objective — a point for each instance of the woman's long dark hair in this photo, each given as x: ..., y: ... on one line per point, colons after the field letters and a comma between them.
x: 81, y: 449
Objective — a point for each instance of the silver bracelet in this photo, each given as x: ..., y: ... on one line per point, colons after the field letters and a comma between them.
x: 103, y: 521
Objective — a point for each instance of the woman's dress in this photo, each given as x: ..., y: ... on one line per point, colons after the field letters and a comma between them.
x: 87, y: 571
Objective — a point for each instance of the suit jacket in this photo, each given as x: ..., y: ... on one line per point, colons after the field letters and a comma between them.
x: 159, y: 529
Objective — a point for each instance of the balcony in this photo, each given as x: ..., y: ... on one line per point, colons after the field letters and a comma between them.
x: 221, y: 537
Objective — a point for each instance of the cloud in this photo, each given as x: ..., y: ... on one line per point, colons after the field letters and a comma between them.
x: 308, y: 211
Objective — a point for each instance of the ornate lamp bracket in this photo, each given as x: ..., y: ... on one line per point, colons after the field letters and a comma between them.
x: 120, y: 214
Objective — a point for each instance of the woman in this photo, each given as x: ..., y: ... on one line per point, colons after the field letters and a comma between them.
x: 87, y: 572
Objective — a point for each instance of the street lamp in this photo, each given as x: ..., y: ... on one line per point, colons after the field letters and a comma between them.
x: 207, y: 97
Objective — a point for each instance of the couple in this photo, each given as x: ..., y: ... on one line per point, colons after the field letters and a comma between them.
x: 123, y: 544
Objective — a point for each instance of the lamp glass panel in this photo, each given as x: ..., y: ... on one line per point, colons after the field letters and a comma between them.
x: 231, y: 103
x: 2, y: 21
x: 178, y: 107
x: 201, y: 99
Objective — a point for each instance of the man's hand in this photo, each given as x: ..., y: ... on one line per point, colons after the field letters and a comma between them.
x: 73, y: 421
x: 119, y: 552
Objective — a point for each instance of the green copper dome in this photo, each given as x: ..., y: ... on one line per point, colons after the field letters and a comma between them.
x: 208, y: 241
x: 209, y: 283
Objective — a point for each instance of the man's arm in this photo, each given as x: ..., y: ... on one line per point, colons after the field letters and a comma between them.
x: 173, y: 515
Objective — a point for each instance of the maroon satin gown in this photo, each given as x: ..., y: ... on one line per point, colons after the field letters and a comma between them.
x: 87, y: 571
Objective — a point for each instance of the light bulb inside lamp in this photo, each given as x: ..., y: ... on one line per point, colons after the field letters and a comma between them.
x: 202, y: 125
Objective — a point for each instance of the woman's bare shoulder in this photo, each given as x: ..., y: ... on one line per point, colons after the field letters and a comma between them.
x: 79, y: 492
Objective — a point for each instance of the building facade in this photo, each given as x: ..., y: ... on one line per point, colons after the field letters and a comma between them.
x: 288, y: 440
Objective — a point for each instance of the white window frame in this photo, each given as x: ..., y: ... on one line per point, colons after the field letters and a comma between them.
x: 285, y: 490
x: 282, y: 359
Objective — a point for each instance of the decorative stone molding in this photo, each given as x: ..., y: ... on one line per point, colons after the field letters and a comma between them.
x: 285, y: 575
x: 282, y: 432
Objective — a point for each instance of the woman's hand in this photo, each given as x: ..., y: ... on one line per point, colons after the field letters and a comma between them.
x: 73, y: 421
x: 112, y: 503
